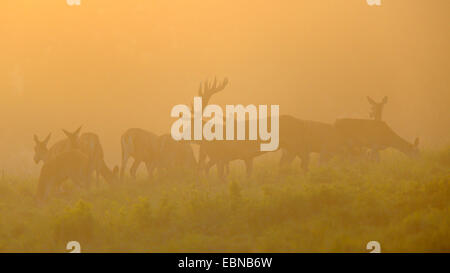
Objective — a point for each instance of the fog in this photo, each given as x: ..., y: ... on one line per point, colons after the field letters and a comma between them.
x: 113, y: 65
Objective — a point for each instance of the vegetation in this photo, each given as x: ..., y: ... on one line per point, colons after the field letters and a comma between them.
x: 403, y: 203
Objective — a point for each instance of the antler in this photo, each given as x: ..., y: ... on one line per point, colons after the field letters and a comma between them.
x: 210, y: 89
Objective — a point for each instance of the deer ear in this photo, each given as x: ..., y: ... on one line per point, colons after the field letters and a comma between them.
x: 416, y: 142
x: 66, y: 133
x: 36, y: 139
x: 371, y: 101
x: 385, y: 100
x: 47, y: 139
x: 78, y: 131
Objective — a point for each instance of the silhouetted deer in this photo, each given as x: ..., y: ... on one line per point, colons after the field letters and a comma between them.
x: 377, y: 108
x: 73, y: 165
x: 89, y: 144
x: 300, y: 138
x: 375, y: 135
x: 141, y: 145
x: 175, y: 155
x: 220, y: 153
x: 43, y: 153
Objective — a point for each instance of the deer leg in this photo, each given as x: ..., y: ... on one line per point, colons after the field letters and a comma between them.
x: 57, y: 185
x: 249, y: 166
x: 47, y: 191
x: 86, y: 182
x: 123, y: 166
x: 209, y: 165
x: 97, y: 174
x: 220, y: 170
x: 286, y: 158
x: 98, y: 171
x: 325, y: 156
x: 77, y: 182
x: 375, y: 155
x: 305, y: 161
x: 201, y: 158
x: 43, y: 189
x: 227, y: 168
x: 150, y: 168
x: 134, y: 168
x: 61, y: 188
x: 87, y: 178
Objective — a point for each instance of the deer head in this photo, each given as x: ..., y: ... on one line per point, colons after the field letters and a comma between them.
x: 73, y: 137
x: 377, y: 108
x: 41, y: 149
x: 410, y: 149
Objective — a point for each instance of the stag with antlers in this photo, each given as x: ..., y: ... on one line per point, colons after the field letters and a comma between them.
x: 220, y: 153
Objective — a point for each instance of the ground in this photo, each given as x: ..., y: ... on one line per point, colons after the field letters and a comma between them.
x: 403, y: 203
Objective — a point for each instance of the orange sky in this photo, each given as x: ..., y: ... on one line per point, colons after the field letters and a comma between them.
x: 112, y: 65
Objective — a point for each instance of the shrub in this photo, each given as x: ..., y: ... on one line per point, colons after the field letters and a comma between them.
x: 75, y: 223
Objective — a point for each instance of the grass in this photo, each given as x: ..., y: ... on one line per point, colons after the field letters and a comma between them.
x: 402, y: 203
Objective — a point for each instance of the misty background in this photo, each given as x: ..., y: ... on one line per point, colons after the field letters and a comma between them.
x: 113, y: 65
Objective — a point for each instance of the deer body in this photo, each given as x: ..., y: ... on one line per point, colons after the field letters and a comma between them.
x: 373, y: 134
x: 174, y: 154
x: 141, y: 145
x: 89, y: 144
x: 302, y: 137
x: 221, y: 153
x: 73, y: 165
x: 58, y: 148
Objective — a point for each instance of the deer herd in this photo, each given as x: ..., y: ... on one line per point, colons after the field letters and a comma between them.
x: 77, y: 156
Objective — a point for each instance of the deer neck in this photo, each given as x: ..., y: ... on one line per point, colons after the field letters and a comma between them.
x: 378, y: 116
x: 46, y: 156
x: 402, y: 145
x: 106, y: 172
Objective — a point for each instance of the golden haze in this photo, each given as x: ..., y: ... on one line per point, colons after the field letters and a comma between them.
x: 112, y: 65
